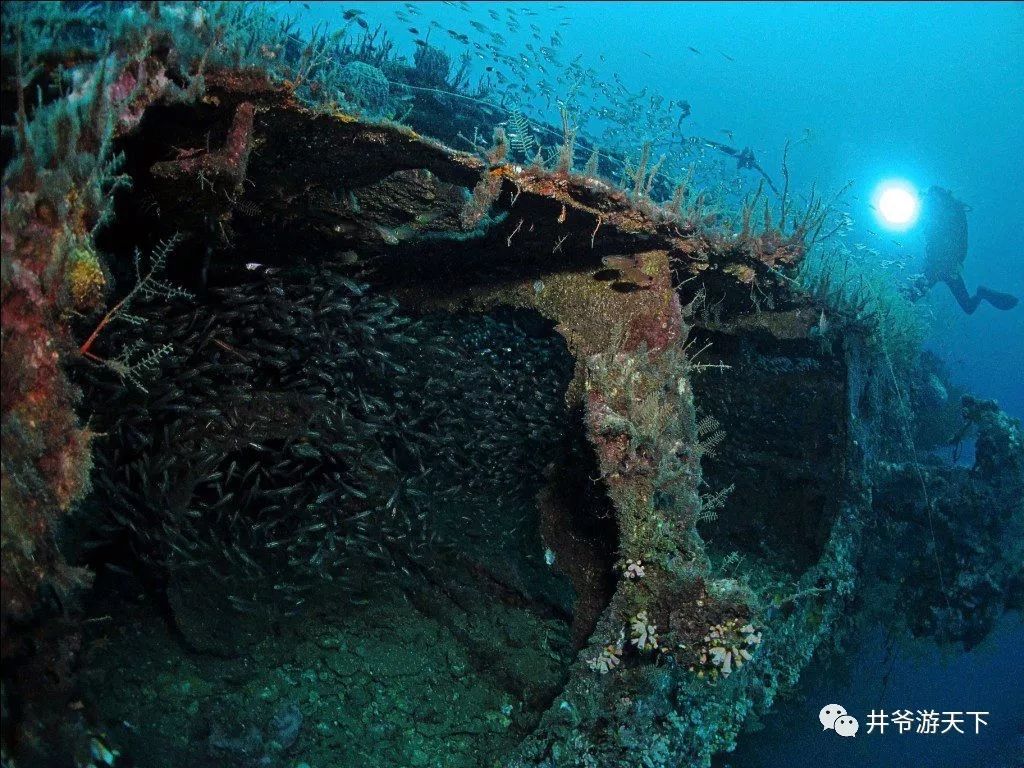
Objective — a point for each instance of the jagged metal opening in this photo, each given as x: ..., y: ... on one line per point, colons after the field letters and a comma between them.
x: 781, y: 405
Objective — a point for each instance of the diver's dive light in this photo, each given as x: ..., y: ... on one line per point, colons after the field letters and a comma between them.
x: 897, y: 204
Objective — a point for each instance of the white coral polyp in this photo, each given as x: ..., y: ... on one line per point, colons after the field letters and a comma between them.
x: 635, y: 569
x: 643, y: 634
x: 605, y: 662
x: 610, y: 656
x: 722, y: 657
x: 727, y: 656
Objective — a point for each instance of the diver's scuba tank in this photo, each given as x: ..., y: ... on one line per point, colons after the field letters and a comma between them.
x: 945, y: 228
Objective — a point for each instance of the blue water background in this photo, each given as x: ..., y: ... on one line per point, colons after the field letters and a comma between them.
x: 918, y: 677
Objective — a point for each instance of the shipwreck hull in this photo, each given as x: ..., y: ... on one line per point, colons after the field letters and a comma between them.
x: 618, y: 297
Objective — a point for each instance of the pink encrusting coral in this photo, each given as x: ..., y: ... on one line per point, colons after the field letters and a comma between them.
x: 45, y: 450
x: 226, y: 164
x: 56, y: 195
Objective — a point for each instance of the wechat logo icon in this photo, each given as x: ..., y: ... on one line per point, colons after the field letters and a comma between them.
x: 834, y: 717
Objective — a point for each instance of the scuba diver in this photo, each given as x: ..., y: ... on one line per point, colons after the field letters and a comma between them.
x: 744, y: 160
x: 945, y: 248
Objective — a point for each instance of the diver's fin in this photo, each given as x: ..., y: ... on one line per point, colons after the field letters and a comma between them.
x: 997, y: 299
x: 970, y: 303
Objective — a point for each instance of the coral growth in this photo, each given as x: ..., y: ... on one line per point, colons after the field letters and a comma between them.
x: 431, y: 66
x: 726, y: 647
x: 950, y: 545
x: 610, y: 656
x: 642, y: 634
x: 365, y: 87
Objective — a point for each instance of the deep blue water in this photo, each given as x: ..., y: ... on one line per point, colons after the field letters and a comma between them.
x: 925, y: 92
x: 917, y: 677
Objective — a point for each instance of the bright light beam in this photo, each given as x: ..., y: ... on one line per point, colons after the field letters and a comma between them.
x: 897, y: 204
